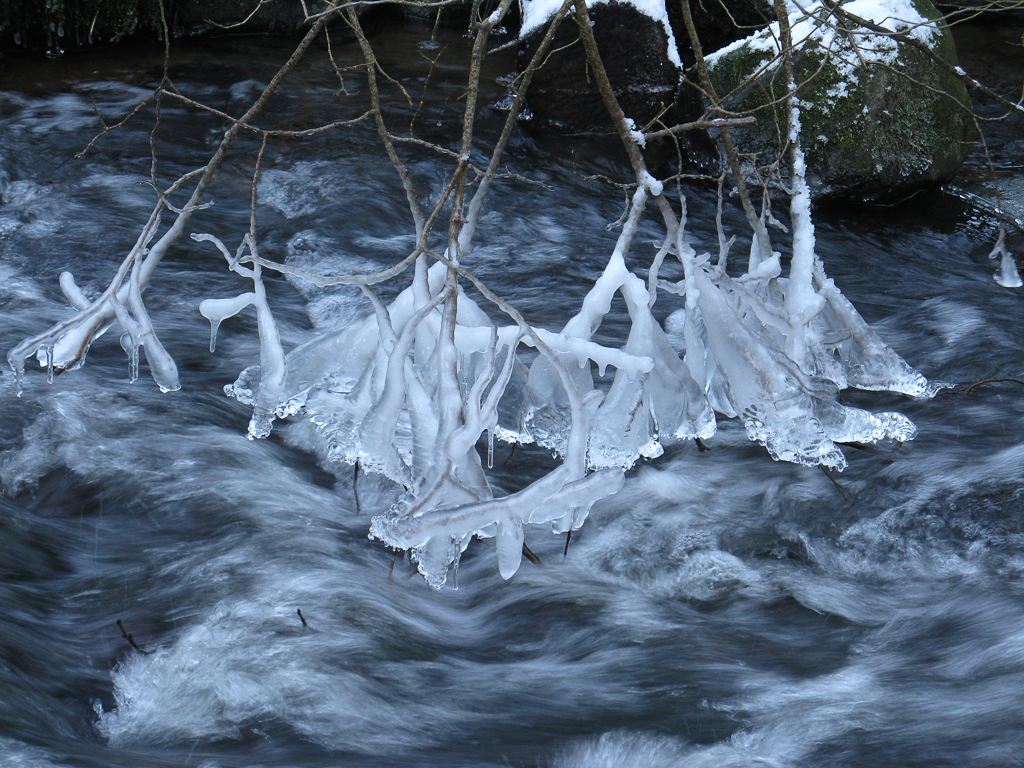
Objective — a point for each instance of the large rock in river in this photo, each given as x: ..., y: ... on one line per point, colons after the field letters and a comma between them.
x: 879, y: 117
x: 643, y: 45
x: 639, y: 54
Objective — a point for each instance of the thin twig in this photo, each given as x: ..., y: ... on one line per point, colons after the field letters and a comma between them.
x: 694, y: 125
x: 834, y: 482
x: 971, y: 388
x: 131, y: 640
x: 355, y: 485
x: 763, y: 240
x: 529, y: 555
x: 371, y: 66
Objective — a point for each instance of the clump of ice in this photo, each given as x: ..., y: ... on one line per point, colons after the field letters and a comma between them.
x: 1007, y: 276
x: 637, y: 135
x: 772, y: 351
x: 410, y: 388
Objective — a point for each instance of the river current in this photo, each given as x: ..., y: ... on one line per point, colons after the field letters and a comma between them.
x: 723, y: 609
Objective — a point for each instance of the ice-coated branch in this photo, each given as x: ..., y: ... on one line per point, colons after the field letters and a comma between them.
x: 65, y: 345
x: 802, y: 301
x: 413, y: 389
x: 273, y: 368
x: 68, y: 342
x: 1007, y: 276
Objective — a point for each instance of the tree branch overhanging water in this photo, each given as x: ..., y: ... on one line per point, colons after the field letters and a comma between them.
x: 413, y: 389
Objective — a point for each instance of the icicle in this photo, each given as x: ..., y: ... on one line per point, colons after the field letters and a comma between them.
x: 133, y: 364
x: 219, y: 310
x: 17, y: 364
x: 49, y: 363
x: 161, y: 364
x: 132, y: 350
x: 434, y: 558
x: 509, y: 543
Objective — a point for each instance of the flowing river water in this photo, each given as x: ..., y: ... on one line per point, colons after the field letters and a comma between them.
x: 724, y: 609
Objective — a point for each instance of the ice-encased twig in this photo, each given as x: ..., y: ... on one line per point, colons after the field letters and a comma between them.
x: 272, y: 369
x: 161, y: 364
x: 542, y: 501
x: 803, y: 302
x: 376, y: 431
x: 869, y: 362
x: 67, y: 342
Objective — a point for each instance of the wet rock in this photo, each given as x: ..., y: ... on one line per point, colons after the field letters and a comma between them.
x: 718, y: 23
x: 877, y: 122
x: 642, y: 56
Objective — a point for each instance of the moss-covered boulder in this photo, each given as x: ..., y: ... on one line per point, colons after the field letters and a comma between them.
x: 643, y: 45
x: 880, y: 117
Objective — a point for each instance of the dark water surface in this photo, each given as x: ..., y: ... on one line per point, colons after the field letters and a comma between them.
x: 722, y: 610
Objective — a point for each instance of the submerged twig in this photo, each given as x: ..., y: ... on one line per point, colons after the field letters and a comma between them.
x: 529, y: 555
x: 834, y: 481
x: 976, y: 384
x: 131, y: 640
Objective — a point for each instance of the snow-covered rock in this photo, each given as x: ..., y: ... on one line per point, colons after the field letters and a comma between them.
x: 639, y: 53
x: 643, y: 44
x: 879, y: 116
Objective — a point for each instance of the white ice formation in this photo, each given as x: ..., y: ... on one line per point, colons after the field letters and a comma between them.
x: 412, y: 390
x: 64, y: 347
x: 1007, y: 276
